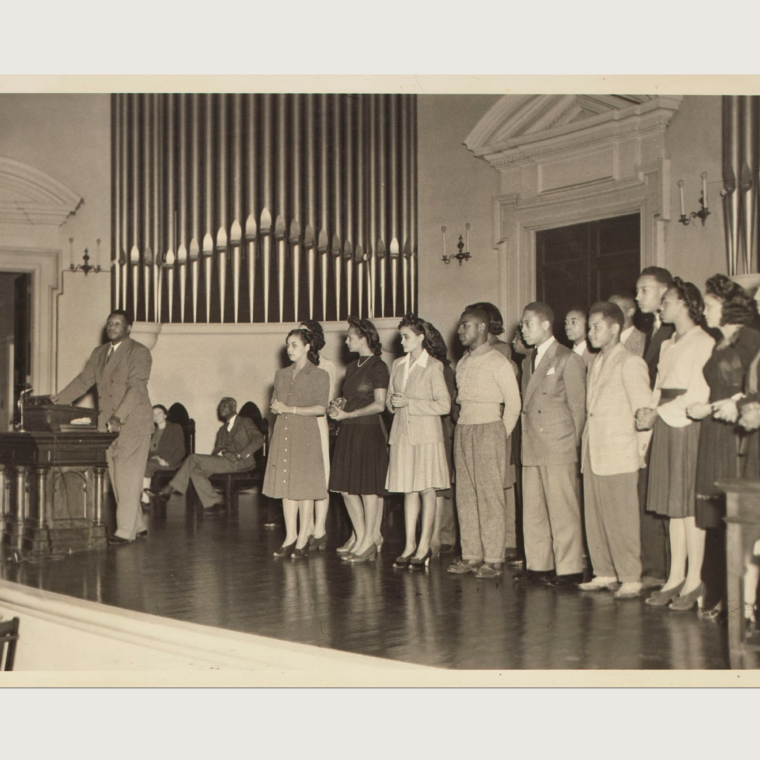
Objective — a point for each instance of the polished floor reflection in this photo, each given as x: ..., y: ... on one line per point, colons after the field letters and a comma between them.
x: 219, y: 571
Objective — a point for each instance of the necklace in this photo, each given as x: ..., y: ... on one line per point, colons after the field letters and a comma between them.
x: 359, y: 362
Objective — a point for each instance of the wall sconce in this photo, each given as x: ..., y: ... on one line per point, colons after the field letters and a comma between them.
x: 86, y: 267
x: 462, y: 254
x: 704, y: 212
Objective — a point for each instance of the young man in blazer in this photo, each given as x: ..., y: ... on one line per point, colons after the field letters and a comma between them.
x: 237, y: 440
x: 554, y: 410
x: 120, y: 369
x: 613, y: 453
x: 651, y: 286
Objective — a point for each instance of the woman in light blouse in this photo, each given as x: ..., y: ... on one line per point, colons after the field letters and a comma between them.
x: 675, y: 442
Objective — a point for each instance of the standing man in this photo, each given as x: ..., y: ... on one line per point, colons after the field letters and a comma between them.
x: 631, y: 337
x: 120, y: 369
x: 485, y: 382
x: 237, y: 440
x: 651, y: 286
x: 554, y: 410
x: 575, y: 329
x: 613, y: 453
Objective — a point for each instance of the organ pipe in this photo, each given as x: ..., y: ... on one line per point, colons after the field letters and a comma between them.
x: 216, y: 181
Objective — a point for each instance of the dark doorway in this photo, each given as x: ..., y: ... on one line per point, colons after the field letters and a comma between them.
x: 583, y: 263
x: 15, y: 343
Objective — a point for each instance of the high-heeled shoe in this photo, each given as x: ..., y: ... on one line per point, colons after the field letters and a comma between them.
x: 717, y: 613
x: 347, y: 547
x: 664, y: 598
x: 402, y: 562
x: 302, y: 553
x: 436, y: 551
x: 379, y: 544
x: 369, y: 555
x: 318, y: 544
x: 684, y: 603
x: 285, y: 551
x: 420, y: 563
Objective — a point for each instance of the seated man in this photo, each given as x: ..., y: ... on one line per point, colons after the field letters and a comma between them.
x: 236, y: 442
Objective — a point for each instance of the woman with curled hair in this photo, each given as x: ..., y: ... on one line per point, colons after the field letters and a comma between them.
x: 418, y: 397
x: 729, y: 309
x: 675, y: 441
x: 360, y: 459
x: 295, y: 465
x: 167, y: 448
x: 318, y: 538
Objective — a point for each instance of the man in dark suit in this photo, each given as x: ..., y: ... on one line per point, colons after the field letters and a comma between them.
x: 553, y: 414
x: 237, y: 440
x: 651, y: 286
x: 120, y: 369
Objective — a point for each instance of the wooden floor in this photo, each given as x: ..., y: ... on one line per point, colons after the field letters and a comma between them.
x: 220, y: 571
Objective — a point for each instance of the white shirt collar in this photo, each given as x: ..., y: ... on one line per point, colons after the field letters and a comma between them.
x: 422, y: 359
x: 541, y: 350
x: 580, y: 348
x: 231, y: 422
x: 114, y: 346
x: 657, y: 322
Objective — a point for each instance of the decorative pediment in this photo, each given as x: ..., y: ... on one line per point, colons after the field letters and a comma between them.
x: 518, y: 125
x: 30, y: 196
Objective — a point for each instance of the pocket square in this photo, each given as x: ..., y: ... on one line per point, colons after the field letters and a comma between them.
x: 551, y: 371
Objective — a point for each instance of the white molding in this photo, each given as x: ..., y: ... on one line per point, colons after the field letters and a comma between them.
x: 45, y: 266
x: 31, y: 196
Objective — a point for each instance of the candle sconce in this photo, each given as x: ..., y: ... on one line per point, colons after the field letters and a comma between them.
x: 703, y: 212
x: 462, y: 254
x: 86, y: 267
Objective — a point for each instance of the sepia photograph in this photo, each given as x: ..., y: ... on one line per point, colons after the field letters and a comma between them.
x: 379, y: 383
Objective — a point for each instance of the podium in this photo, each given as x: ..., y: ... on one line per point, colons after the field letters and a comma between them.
x: 52, y: 491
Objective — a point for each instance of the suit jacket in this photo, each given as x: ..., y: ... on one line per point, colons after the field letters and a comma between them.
x: 636, y: 342
x: 654, y: 341
x: 554, y: 407
x: 171, y: 445
x: 122, y: 385
x: 244, y: 439
x: 610, y: 437
x: 587, y: 355
x: 429, y: 398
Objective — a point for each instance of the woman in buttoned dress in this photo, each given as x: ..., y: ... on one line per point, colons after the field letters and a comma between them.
x: 295, y: 466
x: 417, y: 397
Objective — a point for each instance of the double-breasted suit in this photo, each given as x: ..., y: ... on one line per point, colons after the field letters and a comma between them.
x: 553, y: 414
x: 417, y: 452
x: 613, y: 450
x: 122, y: 388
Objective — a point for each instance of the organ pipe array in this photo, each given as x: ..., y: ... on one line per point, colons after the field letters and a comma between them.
x: 264, y: 208
x: 741, y: 163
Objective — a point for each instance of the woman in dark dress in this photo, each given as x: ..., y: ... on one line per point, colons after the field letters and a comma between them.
x: 729, y: 309
x: 167, y: 447
x: 360, y: 458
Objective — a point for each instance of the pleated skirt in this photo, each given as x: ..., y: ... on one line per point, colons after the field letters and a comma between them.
x: 360, y: 458
x: 673, y: 470
x: 417, y: 468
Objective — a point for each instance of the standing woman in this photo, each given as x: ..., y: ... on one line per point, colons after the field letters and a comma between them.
x: 295, y: 466
x: 675, y: 441
x: 360, y: 459
x: 318, y: 540
x: 728, y: 308
x: 417, y: 396
x: 167, y: 447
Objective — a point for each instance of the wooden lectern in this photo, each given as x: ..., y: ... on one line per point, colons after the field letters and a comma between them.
x: 743, y: 530
x: 52, y: 491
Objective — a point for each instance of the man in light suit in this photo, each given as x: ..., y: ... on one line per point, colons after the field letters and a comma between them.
x: 554, y: 410
x: 237, y: 440
x: 651, y: 286
x: 631, y: 337
x: 613, y: 453
x: 120, y: 369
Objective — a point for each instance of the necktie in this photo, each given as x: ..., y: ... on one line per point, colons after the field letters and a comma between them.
x: 534, y: 360
x: 110, y: 354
